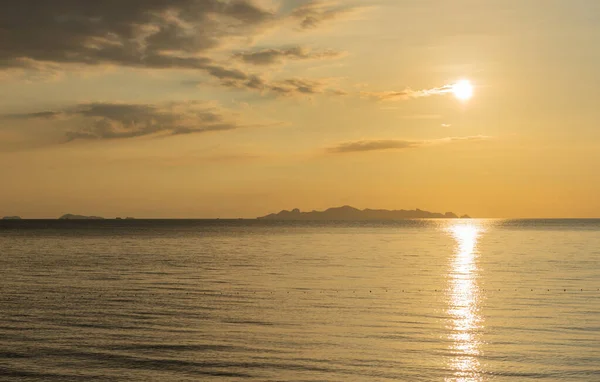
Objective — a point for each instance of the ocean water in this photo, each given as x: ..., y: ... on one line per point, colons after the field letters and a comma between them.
x: 418, y: 300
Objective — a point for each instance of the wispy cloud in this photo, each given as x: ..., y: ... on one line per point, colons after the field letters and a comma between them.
x: 312, y: 14
x: 372, y: 145
x: 406, y: 93
x: 103, y: 120
x: 273, y: 56
x: 285, y: 87
x: 397, y: 144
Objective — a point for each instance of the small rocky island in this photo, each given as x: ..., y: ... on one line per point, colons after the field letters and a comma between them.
x: 79, y: 217
x: 351, y: 213
x: 11, y: 218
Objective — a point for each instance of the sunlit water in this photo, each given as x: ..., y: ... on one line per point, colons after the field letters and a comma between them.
x: 453, y: 300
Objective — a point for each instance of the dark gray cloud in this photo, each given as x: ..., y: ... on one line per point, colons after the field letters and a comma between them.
x: 156, y: 34
x: 127, y: 120
x: 396, y: 144
x: 133, y: 32
x: 277, y: 56
x: 144, y: 33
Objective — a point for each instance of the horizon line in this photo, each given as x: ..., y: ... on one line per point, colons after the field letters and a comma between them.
x: 7, y: 218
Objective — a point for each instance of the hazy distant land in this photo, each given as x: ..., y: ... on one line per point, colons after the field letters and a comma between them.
x: 83, y: 217
x: 79, y: 217
x: 334, y: 213
x: 351, y: 213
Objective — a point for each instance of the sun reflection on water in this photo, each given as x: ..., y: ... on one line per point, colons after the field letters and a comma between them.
x: 464, y: 301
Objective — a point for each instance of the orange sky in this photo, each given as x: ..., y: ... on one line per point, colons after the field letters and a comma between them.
x: 214, y: 108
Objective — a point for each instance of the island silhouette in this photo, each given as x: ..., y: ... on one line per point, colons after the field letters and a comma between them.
x: 79, y: 217
x: 351, y: 213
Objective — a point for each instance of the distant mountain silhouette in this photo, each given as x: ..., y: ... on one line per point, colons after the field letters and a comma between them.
x: 11, y: 218
x: 351, y: 213
x: 79, y: 217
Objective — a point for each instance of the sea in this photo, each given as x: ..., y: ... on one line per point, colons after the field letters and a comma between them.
x: 233, y: 300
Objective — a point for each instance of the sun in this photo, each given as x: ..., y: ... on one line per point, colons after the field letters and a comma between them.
x: 463, y: 90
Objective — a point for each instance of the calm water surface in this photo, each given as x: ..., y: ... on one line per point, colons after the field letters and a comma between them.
x: 445, y: 300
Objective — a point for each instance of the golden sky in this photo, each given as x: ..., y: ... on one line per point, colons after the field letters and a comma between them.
x: 238, y: 108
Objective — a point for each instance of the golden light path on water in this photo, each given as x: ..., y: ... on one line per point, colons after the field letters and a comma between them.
x: 464, y: 302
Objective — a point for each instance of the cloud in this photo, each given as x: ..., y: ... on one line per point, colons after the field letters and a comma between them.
x: 156, y: 33
x: 143, y: 33
x: 471, y: 138
x: 372, y: 145
x: 314, y: 13
x: 298, y: 86
x: 386, y: 96
x: 396, y: 144
x: 406, y: 94
x: 51, y: 36
x: 39, y: 114
x: 127, y: 120
x: 276, y: 56
x: 286, y: 87
x: 43, y: 39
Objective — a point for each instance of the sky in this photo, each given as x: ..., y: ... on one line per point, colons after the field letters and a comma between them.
x: 240, y: 108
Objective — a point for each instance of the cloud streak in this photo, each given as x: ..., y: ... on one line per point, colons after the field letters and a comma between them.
x: 313, y: 14
x: 128, y: 120
x: 406, y: 94
x: 277, y: 56
x: 287, y: 87
x: 397, y: 144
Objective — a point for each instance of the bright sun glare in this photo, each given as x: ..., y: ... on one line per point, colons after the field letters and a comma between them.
x: 463, y: 90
